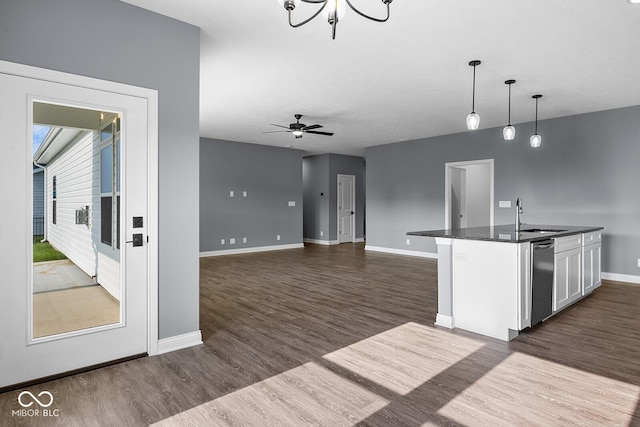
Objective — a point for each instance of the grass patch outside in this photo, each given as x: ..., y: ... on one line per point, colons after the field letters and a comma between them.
x: 44, y: 251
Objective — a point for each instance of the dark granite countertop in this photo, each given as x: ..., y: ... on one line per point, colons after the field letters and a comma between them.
x: 506, y: 233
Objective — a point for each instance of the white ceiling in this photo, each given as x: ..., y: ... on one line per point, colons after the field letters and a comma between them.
x: 407, y: 78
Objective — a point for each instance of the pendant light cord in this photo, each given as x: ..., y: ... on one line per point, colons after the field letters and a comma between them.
x: 473, y: 96
x: 509, y: 105
x: 536, y: 116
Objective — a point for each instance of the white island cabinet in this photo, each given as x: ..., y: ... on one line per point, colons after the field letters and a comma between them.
x: 567, y: 278
x: 591, y: 261
x: 492, y: 287
x: 485, y: 275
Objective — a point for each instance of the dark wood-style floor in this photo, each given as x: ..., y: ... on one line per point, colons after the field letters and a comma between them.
x: 336, y: 336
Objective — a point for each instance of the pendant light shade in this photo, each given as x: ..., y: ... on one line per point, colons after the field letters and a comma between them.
x: 509, y: 132
x: 536, y: 139
x: 473, y: 119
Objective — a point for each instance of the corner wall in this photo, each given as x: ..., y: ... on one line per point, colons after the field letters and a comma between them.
x: 585, y: 173
x: 271, y: 178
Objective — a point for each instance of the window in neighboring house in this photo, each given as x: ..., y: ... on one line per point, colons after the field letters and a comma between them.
x: 107, y: 220
x: 54, y: 209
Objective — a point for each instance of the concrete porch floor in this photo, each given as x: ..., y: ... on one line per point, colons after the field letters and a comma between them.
x: 57, y: 275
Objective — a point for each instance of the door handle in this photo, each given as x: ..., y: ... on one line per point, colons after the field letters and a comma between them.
x: 352, y: 212
x: 137, y: 240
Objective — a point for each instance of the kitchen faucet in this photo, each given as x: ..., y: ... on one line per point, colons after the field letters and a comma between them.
x: 518, y: 212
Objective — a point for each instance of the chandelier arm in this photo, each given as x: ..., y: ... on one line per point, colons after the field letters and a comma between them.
x: 367, y: 16
x: 300, y: 24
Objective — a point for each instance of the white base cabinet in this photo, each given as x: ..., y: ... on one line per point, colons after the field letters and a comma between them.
x: 591, y: 262
x: 567, y: 279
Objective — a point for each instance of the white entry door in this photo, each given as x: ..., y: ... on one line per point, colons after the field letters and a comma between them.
x: 346, y: 208
x: 25, y: 356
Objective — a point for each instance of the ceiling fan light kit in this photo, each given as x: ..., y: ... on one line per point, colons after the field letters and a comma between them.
x: 331, y: 10
x: 298, y: 129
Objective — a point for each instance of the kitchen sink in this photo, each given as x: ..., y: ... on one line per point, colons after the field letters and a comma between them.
x: 541, y: 230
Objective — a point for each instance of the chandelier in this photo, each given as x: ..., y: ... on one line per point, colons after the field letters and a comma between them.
x: 331, y: 10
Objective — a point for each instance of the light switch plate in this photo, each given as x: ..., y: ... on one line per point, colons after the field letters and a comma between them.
x: 232, y: 241
x: 231, y: 193
x: 638, y: 262
x: 505, y: 203
x: 292, y: 203
x: 222, y: 241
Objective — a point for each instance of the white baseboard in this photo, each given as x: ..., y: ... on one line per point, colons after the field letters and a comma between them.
x: 444, y: 321
x: 166, y: 345
x: 401, y: 252
x: 621, y: 278
x: 321, y: 242
x: 251, y: 250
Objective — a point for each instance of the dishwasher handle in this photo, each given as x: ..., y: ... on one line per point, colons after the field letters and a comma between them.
x: 544, y: 245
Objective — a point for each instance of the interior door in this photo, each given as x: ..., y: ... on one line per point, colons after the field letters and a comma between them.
x: 23, y: 356
x: 346, y: 208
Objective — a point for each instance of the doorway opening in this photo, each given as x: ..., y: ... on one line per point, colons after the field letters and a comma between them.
x: 346, y: 208
x: 469, y: 194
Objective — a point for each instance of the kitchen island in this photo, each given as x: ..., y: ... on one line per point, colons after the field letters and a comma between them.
x: 485, y: 274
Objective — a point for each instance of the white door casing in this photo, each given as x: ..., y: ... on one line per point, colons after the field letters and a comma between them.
x: 21, y: 357
x: 346, y: 208
x: 478, y: 209
x: 458, y: 198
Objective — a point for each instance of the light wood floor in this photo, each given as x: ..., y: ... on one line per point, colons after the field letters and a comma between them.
x: 334, y: 336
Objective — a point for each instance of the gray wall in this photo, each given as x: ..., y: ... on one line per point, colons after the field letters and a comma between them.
x: 271, y: 176
x: 585, y: 173
x: 154, y: 52
x: 321, y: 176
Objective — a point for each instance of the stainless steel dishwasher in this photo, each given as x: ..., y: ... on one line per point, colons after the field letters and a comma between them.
x: 541, y: 281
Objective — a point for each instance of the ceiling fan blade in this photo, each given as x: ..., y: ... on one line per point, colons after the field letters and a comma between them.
x: 277, y: 131
x: 280, y: 126
x: 319, y: 133
x: 312, y: 127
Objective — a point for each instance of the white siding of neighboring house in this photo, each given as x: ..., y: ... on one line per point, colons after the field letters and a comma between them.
x: 77, y: 172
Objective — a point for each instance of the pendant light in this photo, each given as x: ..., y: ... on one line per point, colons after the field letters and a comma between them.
x: 473, y: 119
x: 509, y: 132
x: 536, y: 139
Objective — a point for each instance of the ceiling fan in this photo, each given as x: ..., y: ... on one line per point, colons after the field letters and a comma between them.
x: 298, y: 129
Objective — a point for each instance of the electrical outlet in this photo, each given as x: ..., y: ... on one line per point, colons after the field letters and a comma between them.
x: 232, y: 241
x: 504, y: 203
x: 638, y: 262
x: 244, y: 194
x: 278, y: 237
x: 321, y: 233
x: 222, y: 241
x: 231, y: 193
x: 408, y: 242
x: 292, y: 203
x: 244, y: 240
